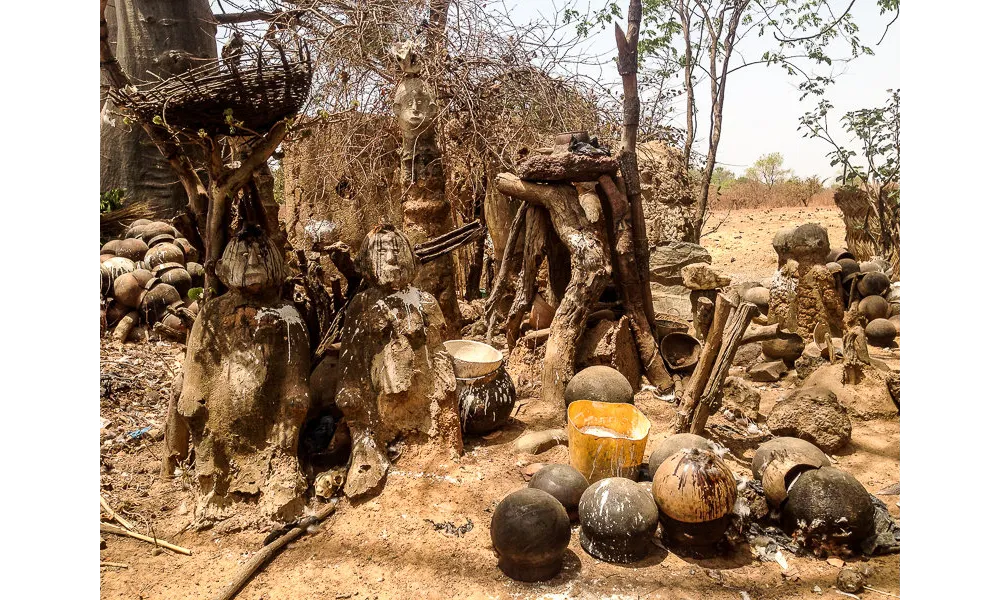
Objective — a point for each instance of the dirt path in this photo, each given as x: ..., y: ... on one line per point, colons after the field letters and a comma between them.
x: 389, y: 548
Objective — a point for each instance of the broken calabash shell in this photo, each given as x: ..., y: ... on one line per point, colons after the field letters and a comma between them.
x: 530, y: 531
x: 565, y: 483
x: 618, y: 520
x: 786, y: 445
x: 781, y: 471
x: 672, y: 445
x: 680, y: 351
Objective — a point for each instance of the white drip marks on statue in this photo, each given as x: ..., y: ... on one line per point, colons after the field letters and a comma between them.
x: 289, y: 315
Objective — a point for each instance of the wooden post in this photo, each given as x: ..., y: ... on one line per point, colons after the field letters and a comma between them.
x: 699, y: 379
x: 503, y: 285
x: 703, y: 317
x: 534, y: 241
x: 720, y: 370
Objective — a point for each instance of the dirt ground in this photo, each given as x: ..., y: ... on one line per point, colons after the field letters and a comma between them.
x: 388, y: 547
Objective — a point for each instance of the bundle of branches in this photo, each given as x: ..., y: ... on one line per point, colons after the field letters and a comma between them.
x: 248, y: 91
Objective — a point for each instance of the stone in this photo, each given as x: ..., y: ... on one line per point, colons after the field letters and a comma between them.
x: 671, y: 302
x: 741, y: 398
x: 806, y: 364
x: 667, y: 260
x: 767, y: 371
x: 703, y: 276
x: 747, y: 354
x: 536, y: 442
x: 813, y: 414
x: 850, y: 580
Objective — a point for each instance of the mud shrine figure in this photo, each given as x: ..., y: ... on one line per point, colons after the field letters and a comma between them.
x: 426, y: 210
x: 245, y: 389
x: 804, y: 292
x: 395, y: 378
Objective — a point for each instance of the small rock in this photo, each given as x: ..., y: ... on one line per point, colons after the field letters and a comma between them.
x: 851, y: 581
x: 157, y: 551
x: 766, y: 371
x: 537, y: 442
x: 813, y: 414
x: 703, y: 276
x: 817, y: 589
x: 747, y: 354
x: 806, y: 364
x: 529, y: 471
x: 103, y: 544
x: 836, y: 562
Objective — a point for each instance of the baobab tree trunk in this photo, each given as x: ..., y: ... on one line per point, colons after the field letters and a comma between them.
x: 144, y: 32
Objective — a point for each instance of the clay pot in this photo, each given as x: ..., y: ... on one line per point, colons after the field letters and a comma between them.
x: 827, y: 504
x: 787, y: 347
x: 838, y: 254
x: 130, y: 287
x: 565, y: 483
x: 618, y: 520
x: 848, y: 266
x: 530, y: 532
x: 785, y: 445
x: 157, y: 298
x: 779, y: 473
x: 672, y: 445
x: 176, y: 275
x: 834, y: 267
x: 485, y: 403
x: 894, y: 319
x: 874, y: 307
x: 190, y: 252
x: 163, y: 238
x: 695, y: 492
x: 115, y: 312
x: 150, y: 230
x: 174, y: 325
x: 105, y: 257
x: 111, y: 247
x: 132, y: 248
x: 111, y: 270
x: 599, y: 384
x: 135, y: 226
x: 197, y: 273
x: 680, y: 351
x: 760, y: 297
x: 881, y: 333
x: 194, y: 307
x: 164, y: 253
x: 873, y: 284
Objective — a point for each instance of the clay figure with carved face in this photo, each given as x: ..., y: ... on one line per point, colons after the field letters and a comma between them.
x: 386, y: 259
x: 414, y: 107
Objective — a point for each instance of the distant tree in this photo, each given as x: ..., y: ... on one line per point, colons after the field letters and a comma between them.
x: 723, y: 178
x: 767, y: 170
x: 803, y: 190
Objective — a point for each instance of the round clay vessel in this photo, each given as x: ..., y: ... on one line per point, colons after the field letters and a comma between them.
x: 787, y: 347
x: 105, y: 257
x: 894, y: 319
x: 828, y: 503
x: 115, y: 312
x: 190, y: 252
x: 618, y: 520
x: 881, y: 333
x: 848, y: 266
x: 197, y: 273
x: 672, y: 445
x: 151, y: 230
x: 164, y: 253
x: 787, y: 445
x: 869, y: 267
x: 834, y: 267
x: 874, y: 307
x: 176, y: 275
x: 695, y: 492
x: 873, y: 284
x: 599, y: 384
x: 485, y: 403
x: 565, y: 483
x: 156, y: 300
x: 163, y: 238
x: 132, y: 248
x: 838, y: 253
x: 111, y: 270
x: 680, y: 351
x: 111, y: 247
x: 530, y: 532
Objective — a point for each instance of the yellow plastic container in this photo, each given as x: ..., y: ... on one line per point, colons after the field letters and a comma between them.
x: 606, y: 439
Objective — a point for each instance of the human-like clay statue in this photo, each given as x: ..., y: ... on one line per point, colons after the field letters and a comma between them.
x: 415, y: 108
x: 395, y: 378
x: 804, y: 292
x: 245, y: 390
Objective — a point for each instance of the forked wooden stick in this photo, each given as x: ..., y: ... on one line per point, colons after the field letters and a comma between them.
x: 116, y: 516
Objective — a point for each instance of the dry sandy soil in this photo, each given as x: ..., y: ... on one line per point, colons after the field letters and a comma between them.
x: 388, y: 547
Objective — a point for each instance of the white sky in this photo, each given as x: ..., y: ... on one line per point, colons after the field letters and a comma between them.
x: 762, y: 106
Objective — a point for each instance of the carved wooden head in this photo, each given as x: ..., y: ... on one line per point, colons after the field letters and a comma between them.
x: 407, y: 57
x: 251, y: 263
x: 414, y: 106
x: 386, y: 258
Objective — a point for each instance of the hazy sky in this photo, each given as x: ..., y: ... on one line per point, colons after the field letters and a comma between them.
x: 762, y: 104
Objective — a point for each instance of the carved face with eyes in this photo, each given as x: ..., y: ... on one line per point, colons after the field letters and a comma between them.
x: 386, y: 258
x: 414, y: 107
